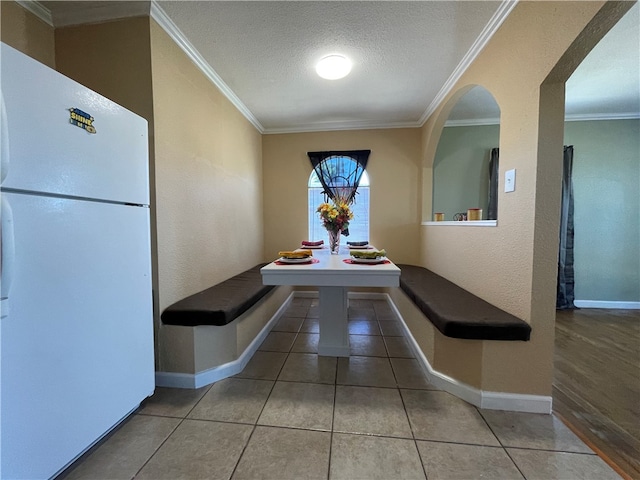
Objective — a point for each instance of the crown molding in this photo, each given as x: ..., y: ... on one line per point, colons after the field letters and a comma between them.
x: 583, y: 117
x: 489, y: 30
x: 84, y: 13
x: 586, y: 117
x: 181, y: 40
x: 38, y: 10
x: 338, y: 126
x: 474, y: 122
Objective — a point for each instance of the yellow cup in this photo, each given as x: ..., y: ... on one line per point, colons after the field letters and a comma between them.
x: 438, y: 217
x: 474, y: 214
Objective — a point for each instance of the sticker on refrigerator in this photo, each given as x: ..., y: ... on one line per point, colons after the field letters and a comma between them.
x: 81, y: 119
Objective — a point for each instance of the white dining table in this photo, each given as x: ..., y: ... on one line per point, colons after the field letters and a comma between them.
x: 333, y: 277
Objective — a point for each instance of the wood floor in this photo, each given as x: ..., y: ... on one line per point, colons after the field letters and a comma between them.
x: 596, y: 389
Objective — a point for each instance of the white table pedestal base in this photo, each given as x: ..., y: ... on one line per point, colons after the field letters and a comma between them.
x: 334, y: 330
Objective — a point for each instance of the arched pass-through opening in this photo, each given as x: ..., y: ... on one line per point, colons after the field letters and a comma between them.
x: 465, y: 165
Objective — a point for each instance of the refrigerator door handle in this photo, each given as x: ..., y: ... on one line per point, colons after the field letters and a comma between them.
x: 7, y: 254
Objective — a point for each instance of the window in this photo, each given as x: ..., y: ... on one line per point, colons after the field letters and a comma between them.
x: 358, y: 227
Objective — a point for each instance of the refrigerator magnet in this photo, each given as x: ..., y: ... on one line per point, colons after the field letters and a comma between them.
x: 81, y: 119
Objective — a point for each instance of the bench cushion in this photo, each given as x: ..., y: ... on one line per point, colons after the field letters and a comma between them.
x: 456, y: 312
x: 220, y: 304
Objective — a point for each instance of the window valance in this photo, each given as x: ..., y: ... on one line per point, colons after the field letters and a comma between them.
x: 340, y: 172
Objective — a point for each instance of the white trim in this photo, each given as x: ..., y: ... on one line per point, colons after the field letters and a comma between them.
x: 465, y: 223
x: 588, y: 117
x: 338, y: 126
x: 501, y: 14
x: 351, y: 295
x: 480, y: 398
x: 516, y: 402
x: 181, y: 40
x: 206, y: 377
x: 473, y: 122
x: 39, y: 10
x: 368, y: 295
x: 582, y: 117
x: 606, y: 304
x: 175, y: 380
x: 305, y: 293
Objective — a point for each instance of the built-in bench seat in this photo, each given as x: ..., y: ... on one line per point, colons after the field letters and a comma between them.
x: 220, y: 304
x: 212, y: 334
x: 457, y: 313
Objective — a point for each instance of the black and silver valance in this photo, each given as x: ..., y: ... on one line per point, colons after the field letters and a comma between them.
x: 340, y: 172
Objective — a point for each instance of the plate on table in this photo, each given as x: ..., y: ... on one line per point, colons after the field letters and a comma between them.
x: 312, y: 247
x: 359, y: 247
x: 295, y: 260
x: 368, y: 260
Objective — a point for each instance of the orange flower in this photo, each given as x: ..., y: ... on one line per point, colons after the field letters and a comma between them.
x: 335, y: 217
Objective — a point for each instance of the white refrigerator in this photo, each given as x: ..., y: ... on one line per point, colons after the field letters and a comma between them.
x: 76, y: 320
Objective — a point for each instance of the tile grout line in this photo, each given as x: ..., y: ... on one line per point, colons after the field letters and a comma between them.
x: 333, y: 418
x: 159, y: 447
x: 404, y: 406
x: 500, y: 442
x: 182, y: 419
x: 255, y: 425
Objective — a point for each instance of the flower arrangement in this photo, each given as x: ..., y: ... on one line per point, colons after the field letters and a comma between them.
x: 335, y: 217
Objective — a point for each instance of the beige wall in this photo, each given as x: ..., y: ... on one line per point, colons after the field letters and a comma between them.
x: 27, y: 33
x: 208, y: 176
x: 393, y: 169
x: 519, y: 256
x: 112, y: 58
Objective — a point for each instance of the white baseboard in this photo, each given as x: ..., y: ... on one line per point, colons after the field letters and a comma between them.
x: 606, y: 304
x: 368, y: 295
x: 354, y: 295
x: 480, y: 398
x: 206, y: 377
x: 305, y: 293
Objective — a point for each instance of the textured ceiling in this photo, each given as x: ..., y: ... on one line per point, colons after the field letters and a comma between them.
x: 607, y: 82
x: 405, y: 54
x: 402, y: 54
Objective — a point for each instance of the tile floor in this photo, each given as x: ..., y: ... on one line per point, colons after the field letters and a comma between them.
x: 291, y: 414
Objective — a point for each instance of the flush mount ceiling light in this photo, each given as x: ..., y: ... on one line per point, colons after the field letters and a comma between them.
x: 333, y: 67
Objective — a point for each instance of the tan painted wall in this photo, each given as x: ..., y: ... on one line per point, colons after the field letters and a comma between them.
x: 27, y: 33
x: 112, y: 58
x: 393, y: 169
x: 514, y: 264
x: 208, y: 176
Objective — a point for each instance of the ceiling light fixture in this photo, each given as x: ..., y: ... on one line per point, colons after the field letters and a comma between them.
x: 333, y: 67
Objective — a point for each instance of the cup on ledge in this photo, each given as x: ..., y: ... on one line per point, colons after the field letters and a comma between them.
x: 438, y: 217
x: 474, y: 214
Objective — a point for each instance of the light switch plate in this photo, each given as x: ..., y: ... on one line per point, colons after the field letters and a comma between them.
x: 510, y: 180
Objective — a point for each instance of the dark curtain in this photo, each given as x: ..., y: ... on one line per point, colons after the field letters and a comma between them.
x: 492, y: 208
x: 339, y: 175
x: 565, y: 294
